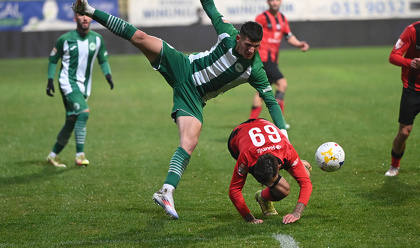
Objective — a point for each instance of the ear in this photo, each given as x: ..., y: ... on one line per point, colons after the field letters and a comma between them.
x: 238, y: 37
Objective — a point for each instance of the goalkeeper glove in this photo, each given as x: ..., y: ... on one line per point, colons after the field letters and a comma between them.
x: 109, y: 79
x: 50, y: 87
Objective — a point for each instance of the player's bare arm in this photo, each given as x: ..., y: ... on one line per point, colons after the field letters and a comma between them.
x: 302, y: 45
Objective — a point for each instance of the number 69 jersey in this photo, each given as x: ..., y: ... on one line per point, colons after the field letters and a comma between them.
x: 255, y: 137
x: 247, y: 143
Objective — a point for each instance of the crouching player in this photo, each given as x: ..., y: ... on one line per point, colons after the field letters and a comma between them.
x: 260, y: 148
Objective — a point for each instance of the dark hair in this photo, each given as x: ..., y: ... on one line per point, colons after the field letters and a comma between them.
x: 252, y: 30
x: 266, y: 168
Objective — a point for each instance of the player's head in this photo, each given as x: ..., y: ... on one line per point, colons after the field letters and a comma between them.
x: 252, y: 30
x: 83, y: 23
x: 274, y: 5
x: 249, y: 39
x: 266, y: 169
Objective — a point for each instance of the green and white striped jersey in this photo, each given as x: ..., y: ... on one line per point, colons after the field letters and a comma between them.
x: 78, y: 54
x: 222, y: 68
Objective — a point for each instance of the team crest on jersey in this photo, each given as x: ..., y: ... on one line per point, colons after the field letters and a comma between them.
x: 76, y: 106
x: 239, y: 67
x: 92, y: 46
x: 399, y: 44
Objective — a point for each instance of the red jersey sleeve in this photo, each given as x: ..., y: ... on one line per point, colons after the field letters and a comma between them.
x: 285, y: 27
x: 237, y: 183
x: 298, y: 172
x: 401, y: 47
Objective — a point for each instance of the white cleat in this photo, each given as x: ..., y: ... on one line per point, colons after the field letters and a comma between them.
x: 54, y: 161
x: 165, y: 199
x: 392, y: 172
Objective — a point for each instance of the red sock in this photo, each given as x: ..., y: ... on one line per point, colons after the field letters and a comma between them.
x: 395, y: 159
x: 395, y: 162
x: 281, y: 103
x: 255, y: 112
x: 265, y: 194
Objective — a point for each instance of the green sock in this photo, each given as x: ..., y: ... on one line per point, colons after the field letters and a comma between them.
x: 177, y: 166
x: 80, y: 131
x: 116, y: 25
x: 63, y: 136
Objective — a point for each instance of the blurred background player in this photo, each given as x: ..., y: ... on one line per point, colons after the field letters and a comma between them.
x: 261, y: 149
x: 275, y: 25
x: 196, y: 78
x: 77, y: 50
x: 406, y: 53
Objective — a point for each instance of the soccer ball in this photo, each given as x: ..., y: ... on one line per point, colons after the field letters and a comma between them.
x: 330, y: 156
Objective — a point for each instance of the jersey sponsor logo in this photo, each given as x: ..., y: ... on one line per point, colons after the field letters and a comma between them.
x: 268, y: 148
x: 92, y: 46
x: 399, y: 44
x: 267, y: 89
x: 72, y: 48
x: 274, y: 41
x: 239, y: 67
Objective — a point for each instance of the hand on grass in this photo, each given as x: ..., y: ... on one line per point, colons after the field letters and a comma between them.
x: 290, y: 218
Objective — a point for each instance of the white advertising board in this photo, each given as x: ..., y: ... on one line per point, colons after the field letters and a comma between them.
x: 148, y: 13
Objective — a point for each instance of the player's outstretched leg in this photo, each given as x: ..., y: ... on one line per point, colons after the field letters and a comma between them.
x: 114, y: 24
x: 164, y: 197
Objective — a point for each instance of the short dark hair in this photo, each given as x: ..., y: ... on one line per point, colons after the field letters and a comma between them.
x: 266, y: 168
x: 252, y: 30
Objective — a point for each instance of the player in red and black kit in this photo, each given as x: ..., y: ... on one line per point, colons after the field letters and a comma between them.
x: 275, y: 26
x: 406, y: 53
x: 260, y: 148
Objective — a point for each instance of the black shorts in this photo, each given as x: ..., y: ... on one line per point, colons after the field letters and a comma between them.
x: 409, y: 106
x: 273, y: 71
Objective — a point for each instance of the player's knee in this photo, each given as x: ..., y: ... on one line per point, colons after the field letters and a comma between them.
x: 285, y: 190
x: 84, y: 116
x: 189, y: 145
x: 405, y: 131
x: 281, y: 191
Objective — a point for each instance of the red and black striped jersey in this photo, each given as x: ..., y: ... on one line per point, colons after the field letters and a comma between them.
x: 407, y: 48
x: 274, y: 27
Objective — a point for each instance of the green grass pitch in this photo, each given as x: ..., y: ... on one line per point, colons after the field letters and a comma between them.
x: 347, y: 95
